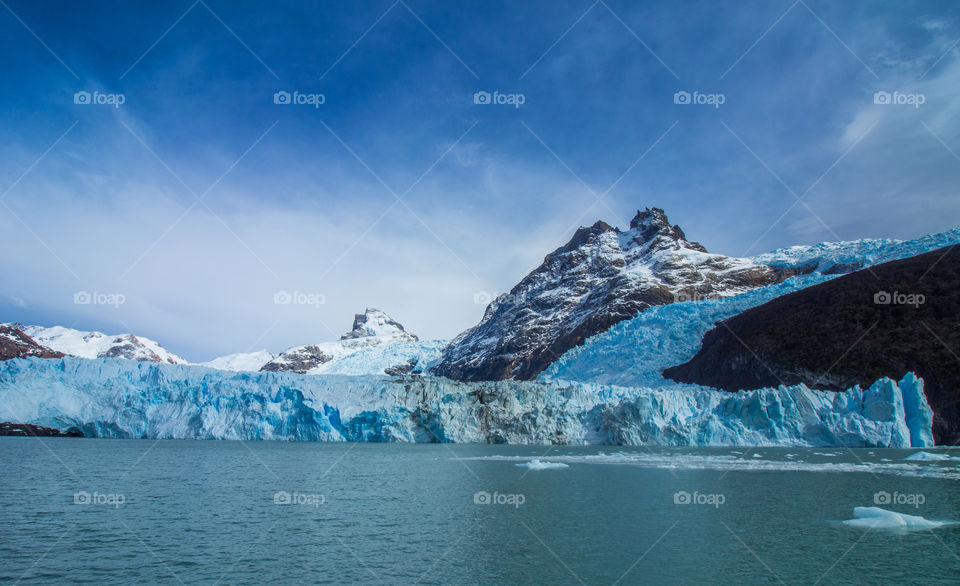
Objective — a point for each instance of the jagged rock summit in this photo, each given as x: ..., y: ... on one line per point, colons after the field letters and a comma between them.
x: 375, y: 323
x: 600, y: 277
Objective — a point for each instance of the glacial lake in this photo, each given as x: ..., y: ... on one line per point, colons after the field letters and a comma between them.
x: 179, y: 511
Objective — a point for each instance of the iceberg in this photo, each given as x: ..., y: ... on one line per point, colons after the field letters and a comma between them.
x: 129, y: 399
x: 537, y: 464
x: 927, y: 456
x: 877, y: 518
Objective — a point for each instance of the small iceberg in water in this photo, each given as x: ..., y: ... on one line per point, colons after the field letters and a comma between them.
x: 877, y: 518
x: 927, y: 456
x: 537, y: 464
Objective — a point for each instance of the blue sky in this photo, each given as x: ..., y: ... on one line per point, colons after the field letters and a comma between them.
x: 198, y: 199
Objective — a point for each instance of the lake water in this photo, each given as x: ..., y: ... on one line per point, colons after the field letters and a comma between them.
x: 171, y: 512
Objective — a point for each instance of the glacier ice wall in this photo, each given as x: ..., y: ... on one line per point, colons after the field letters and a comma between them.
x: 120, y: 398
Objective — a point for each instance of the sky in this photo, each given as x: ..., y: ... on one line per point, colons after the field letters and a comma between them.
x: 425, y: 156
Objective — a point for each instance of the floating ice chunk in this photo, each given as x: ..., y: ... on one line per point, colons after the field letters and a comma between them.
x: 536, y: 464
x: 877, y: 518
x: 927, y: 456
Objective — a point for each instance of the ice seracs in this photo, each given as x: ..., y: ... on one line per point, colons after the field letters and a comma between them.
x: 128, y: 399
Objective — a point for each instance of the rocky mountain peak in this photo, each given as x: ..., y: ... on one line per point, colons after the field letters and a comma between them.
x: 651, y: 223
x: 375, y: 323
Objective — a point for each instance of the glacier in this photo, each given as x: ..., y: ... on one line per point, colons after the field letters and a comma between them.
x: 635, y: 352
x: 127, y: 399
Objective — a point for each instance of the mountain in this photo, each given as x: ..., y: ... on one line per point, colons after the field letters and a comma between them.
x: 240, y: 362
x: 897, y: 317
x: 99, y: 345
x: 14, y: 343
x: 372, y: 328
x: 601, y: 277
x: 126, y: 399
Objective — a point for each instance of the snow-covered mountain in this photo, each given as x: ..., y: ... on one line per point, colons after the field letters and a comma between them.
x: 601, y: 277
x: 99, y: 345
x: 372, y: 328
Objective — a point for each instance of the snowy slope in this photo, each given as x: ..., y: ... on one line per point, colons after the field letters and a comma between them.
x: 240, y: 362
x: 99, y: 345
x: 122, y: 398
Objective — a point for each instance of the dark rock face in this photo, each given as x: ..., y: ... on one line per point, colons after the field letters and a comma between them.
x: 848, y: 331
x: 28, y: 429
x: 599, y: 278
x: 401, y: 369
x: 16, y: 344
x: 299, y: 360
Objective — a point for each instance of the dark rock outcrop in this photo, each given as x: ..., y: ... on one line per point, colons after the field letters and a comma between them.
x: 28, y: 429
x: 16, y: 344
x: 887, y: 320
